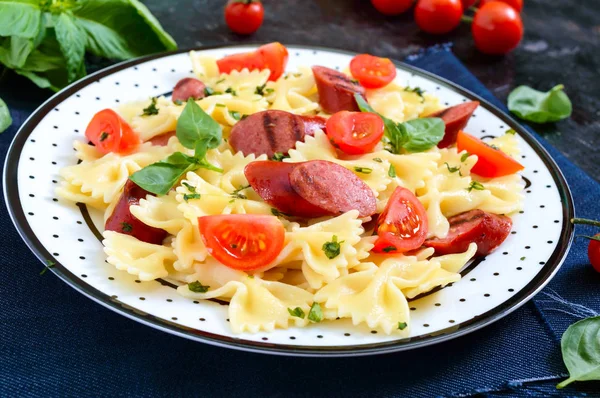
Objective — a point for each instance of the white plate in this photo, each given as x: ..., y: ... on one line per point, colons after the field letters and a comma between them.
x: 67, y: 234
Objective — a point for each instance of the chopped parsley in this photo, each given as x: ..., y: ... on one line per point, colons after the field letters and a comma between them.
x: 151, y: 109
x: 511, y: 131
x: 332, y: 249
x: 235, y: 115
x: 475, y: 185
x: 103, y: 136
x: 297, y: 312
x: 49, y: 264
x: 220, y: 105
x: 126, y: 227
x: 198, y: 287
x: 189, y: 196
x: 297, y: 74
x: 278, y: 213
x: 209, y: 91
x: 378, y: 160
x: 237, y: 195
x: 231, y: 91
x: 522, y: 258
x: 402, y: 325
x: 416, y: 90
x: 464, y: 156
x: 220, y: 81
x: 354, y: 81
x: 190, y: 188
x: 364, y: 170
x: 260, y: 90
x: 452, y: 169
x: 388, y: 249
x: 278, y: 156
x: 316, y: 313
x: 180, y: 102
x: 392, y: 171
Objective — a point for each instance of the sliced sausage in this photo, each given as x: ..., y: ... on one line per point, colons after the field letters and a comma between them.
x: 188, y: 88
x: 122, y: 221
x: 163, y: 139
x: 271, y: 180
x: 456, y: 118
x: 332, y: 187
x: 486, y: 229
x: 336, y: 90
x: 313, y: 123
x: 267, y: 132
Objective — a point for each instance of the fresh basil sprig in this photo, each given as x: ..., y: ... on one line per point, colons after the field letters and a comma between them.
x: 580, y: 345
x: 539, y: 107
x: 415, y: 135
x: 5, y: 119
x: 195, y: 130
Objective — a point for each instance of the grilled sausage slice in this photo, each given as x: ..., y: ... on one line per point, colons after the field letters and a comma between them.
x: 336, y: 90
x: 188, y: 88
x: 456, y: 118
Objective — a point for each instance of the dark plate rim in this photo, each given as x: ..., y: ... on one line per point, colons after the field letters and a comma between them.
x: 11, y: 196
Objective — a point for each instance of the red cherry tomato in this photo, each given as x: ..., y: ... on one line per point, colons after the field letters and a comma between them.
x: 438, y: 16
x: 110, y: 133
x: 371, y: 71
x: 392, y: 7
x: 497, y: 28
x: 244, y: 16
x: 516, y: 4
x: 244, y: 242
x: 272, y: 56
x: 403, y: 224
x: 491, y: 162
x: 355, y: 133
x: 594, y: 252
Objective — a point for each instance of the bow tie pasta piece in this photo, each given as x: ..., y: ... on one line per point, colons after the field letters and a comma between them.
x: 149, y: 126
x: 257, y: 305
x: 387, y: 101
x: 416, y: 105
x: 97, y: 182
x: 507, y: 143
x: 212, y: 274
x: 87, y: 152
x: 204, y: 66
x: 374, y: 173
x: 456, y: 262
x: 160, y: 212
x: 188, y: 246
x: 242, y: 84
x: 232, y: 177
x: 145, y: 260
x: 295, y: 92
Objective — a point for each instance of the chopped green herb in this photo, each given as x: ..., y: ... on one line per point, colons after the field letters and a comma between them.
x: 475, y: 185
x: 332, y: 249
x: 209, y: 91
x: 316, y: 313
x: 378, y: 160
x: 269, y: 90
x: 49, y: 264
x: 452, y: 169
x: 402, y: 325
x: 198, y: 287
x: 237, y: 195
x: 392, y: 171
x: 278, y: 156
x: 243, y: 117
x: 220, y: 81
x: 297, y: 74
x: 189, y: 196
x: 278, y: 213
x: 364, y: 170
x: 126, y: 227
x: 103, y: 136
x: 151, y: 109
x: 231, y: 91
x: 179, y: 102
x: 522, y: 258
x: 511, y: 131
x: 416, y: 90
x: 389, y: 249
x: 354, y: 81
x: 297, y: 312
x: 220, y: 105
x: 260, y: 90
x: 465, y: 156
x: 235, y: 115
x: 189, y: 187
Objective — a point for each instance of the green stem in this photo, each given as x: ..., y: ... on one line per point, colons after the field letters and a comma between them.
x: 585, y: 222
x: 466, y: 19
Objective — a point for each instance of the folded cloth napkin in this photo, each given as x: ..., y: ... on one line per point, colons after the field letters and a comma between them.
x: 56, y: 342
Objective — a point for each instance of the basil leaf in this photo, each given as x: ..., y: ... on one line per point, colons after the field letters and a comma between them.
x: 197, y: 130
x: 5, y: 119
x: 538, y: 107
x: 14, y: 51
x: 72, y: 45
x: 160, y: 177
x: 19, y: 18
x: 580, y: 345
x: 423, y: 134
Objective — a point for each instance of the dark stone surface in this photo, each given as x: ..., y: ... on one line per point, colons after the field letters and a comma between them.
x: 561, y: 45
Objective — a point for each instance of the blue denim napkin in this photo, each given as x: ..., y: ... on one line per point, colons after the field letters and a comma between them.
x: 56, y: 342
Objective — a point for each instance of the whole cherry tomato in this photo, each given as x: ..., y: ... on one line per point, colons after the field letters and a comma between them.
x: 516, y: 4
x: 392, y: 7
x: 497, y: 28
x: 438, y: 16
x: 594, y: 252
x: 244, y: 16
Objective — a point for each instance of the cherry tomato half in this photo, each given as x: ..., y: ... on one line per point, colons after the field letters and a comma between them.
x: 371, y: 71
x: 392, y: 7
x: 244, y: 242
x: 403, y: 224
x: 110, y: 133
x: 594, y: 252
x: 497, y: 28
x: 244, y: 16
x: 491, y: 162
x: 516, y: 4
x: 355, y: 133
x: 438, y: 16
x: 272, y: 56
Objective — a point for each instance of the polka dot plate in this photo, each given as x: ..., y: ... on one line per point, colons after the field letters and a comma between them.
x: 67, y: 234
